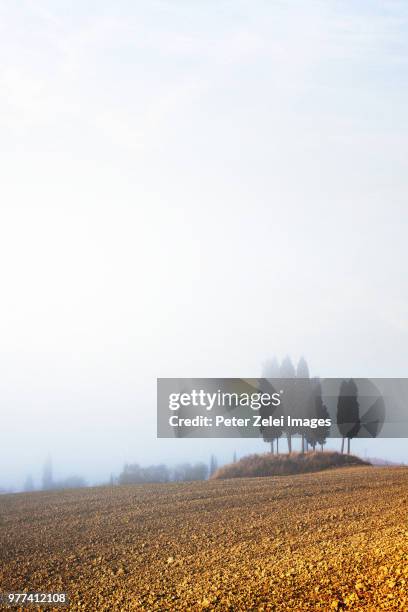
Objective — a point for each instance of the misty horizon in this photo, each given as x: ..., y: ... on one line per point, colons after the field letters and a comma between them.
x: 189, y: 191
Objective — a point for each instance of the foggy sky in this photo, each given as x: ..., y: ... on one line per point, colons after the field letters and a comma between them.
x: 188, y: 189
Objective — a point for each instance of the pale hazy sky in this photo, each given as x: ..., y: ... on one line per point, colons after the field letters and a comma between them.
x: 187, y: 188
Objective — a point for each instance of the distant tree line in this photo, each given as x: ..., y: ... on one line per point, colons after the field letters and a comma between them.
x: 133, y: 473
x: 48, y: 482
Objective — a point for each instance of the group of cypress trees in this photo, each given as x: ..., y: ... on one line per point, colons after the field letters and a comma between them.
x: 303, y: 399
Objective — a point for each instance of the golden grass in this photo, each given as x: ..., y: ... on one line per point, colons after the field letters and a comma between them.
x: 285, y: 464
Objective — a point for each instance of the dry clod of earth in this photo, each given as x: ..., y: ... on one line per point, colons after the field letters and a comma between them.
x: 326, y: 541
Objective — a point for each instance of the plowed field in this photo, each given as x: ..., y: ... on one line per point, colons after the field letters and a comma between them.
x: 334, y: 540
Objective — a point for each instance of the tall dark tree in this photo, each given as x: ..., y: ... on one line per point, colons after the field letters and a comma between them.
x: 303, y: 389
x: 302, y: 370
x: 270, y: 433
x: 213, y: 464
x: 287, y: 370
x: 270, y: 368
x: 348, y: 412
x: 47, y: 479
x: 317, y: 410
x: 29, y: 483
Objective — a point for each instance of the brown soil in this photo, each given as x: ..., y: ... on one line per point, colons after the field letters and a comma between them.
x: 334, y: 540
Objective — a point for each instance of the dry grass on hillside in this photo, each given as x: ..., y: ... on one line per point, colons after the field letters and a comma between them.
x: 285, y: 465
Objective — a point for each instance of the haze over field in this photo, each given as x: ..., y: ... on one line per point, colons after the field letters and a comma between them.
x: 186, y: 190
